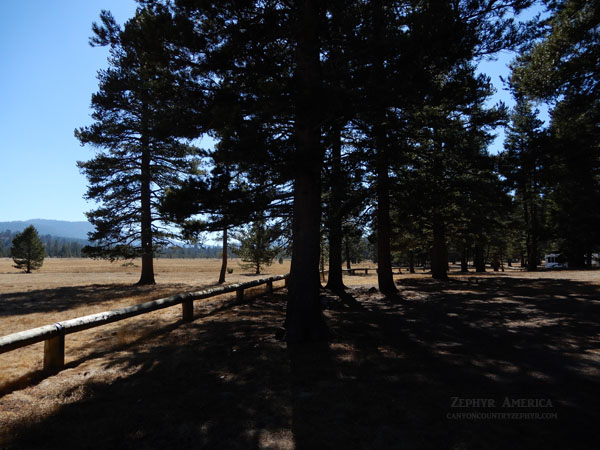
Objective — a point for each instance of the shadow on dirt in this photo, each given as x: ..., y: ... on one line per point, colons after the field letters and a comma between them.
x: 394, y: 376
x: 66, y: 298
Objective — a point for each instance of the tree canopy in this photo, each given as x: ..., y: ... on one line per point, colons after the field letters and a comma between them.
x: 328, y: 114
x: 561, y: 67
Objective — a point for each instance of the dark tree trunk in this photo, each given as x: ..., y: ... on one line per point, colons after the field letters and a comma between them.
x: 384, y: 227
x: 532, y: 258
x: 464, y: 260
x: 304, y: 320
x: 411, y: 261
x: 479, y: 258
x: 334, y: 281
x: 576, y: 257
x: 439, y: 252
x: 588, y: 259
x: 531, y: 223
x: 322, y: 259
x: 347, y: 247
x: 522, y: 258
x: 223, y: 258
x: 384, y: 255
x: 147, y: 276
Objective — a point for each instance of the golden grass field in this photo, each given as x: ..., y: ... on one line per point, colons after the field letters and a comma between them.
x: 555, y: 311
x: 73, y: 287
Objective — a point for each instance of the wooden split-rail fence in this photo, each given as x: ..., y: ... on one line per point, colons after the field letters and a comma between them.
x: 54, y: 335
x: 353, y: 270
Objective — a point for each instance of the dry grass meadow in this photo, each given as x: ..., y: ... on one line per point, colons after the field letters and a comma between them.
x: 387, y: 379
x: 74, y: 287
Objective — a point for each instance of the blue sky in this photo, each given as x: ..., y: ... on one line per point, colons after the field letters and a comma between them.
x: 47, y: 77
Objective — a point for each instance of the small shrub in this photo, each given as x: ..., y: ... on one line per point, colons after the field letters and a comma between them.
x: 229, y: 270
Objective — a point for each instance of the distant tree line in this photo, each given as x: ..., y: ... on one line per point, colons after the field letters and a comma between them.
x: 59, y: 247
x: 56, y: 247
x: 209, y: 251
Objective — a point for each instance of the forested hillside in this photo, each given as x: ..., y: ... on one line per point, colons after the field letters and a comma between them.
x: 57, y: 247
x: 62, y: 228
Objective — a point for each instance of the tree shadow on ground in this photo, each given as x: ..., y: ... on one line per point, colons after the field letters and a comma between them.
x: 389, y: 379
x: 67, y: 298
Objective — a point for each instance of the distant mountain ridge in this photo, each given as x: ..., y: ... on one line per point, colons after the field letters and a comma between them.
x: 59, y: 228
x: 65, y: 239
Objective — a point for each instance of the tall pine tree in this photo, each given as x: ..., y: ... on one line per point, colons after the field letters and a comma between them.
x: 524, y: 160
x: 135, y: 120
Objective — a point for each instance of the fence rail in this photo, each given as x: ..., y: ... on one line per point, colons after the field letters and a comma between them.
x: 353, y: 270
x: 54, y: 335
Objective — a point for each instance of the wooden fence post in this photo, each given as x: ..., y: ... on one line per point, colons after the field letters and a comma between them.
x: 270, y: 287
x: 54, y: 351
x: 187, y: 310
x: 239, y: 295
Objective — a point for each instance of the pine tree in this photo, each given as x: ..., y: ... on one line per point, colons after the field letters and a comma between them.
x: 257, y: 247
x: 27, y: 250
x: 524, y: 160
x: 562, y: 67
x: 135, y: 120
x: 265, y: 84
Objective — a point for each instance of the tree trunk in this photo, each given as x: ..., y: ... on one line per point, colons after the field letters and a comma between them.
x: 439, y: 253
x: 576, y: 256
x: 304, y: 320
x: 322, y: 259
x: 479, y: 258
x: 384, y: 256
x: 223, y: 258
x: 522, y: 258
x: 588, y: 259
x: 347, y: 247
x: 411, y: 261
x: 334, y: 280
x: 464, y: 260
x: 147, y: 276
x: 532, y: 239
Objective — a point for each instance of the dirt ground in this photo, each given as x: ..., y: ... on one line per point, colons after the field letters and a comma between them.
x: 490, y: 361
